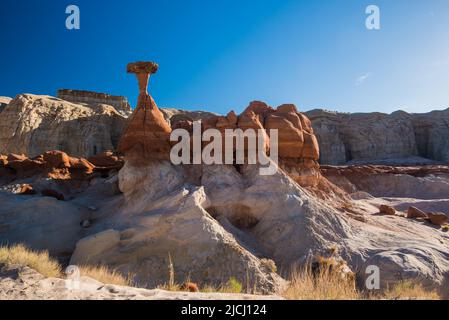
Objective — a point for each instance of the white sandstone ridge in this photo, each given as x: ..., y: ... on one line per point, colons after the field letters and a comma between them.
x: 226, y: 223
x: 367, y: 137
x: 218, y: 222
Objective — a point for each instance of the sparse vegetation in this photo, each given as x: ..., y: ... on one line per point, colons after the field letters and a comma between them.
x: 409, y: 290
x: 233, y: 286
x: 328, y: 285
x: 306, y: 284
x: 322, y: 285
x: 37, y: 260
x: 105, y: 275
x: 41, y: 261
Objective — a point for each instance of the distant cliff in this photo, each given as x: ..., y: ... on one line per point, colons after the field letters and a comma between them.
x: 34, y: 124
x: 345, y: 137
x: 120, y: 103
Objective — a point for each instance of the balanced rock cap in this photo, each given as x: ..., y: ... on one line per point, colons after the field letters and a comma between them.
x: 142, y: 67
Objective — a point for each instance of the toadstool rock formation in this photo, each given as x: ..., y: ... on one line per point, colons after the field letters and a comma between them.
x: 148, y: 133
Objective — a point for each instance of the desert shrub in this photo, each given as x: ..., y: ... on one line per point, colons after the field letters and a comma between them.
x: 37, y: 260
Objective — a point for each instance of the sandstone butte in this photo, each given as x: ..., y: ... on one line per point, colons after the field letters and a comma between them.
x: 148, y: 133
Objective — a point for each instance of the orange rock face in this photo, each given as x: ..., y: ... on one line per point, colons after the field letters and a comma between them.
x: 298, y: 149
x: 148, y: 133
x: 52, y: 164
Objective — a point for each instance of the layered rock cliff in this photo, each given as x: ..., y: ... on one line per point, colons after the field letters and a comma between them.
x: 33, y: 124
x: 372, y: 136
x: 120, y: 103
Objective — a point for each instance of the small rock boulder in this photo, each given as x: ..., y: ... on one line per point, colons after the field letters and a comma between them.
x: 438, y: 218
x: 388, y: 210
x: 107, y: 159
x: 81, y: 165
x: 190, y: 287
x: 414, y: 212
x: 53, y: 193
x: 27, y: 189
x: 56, y: 159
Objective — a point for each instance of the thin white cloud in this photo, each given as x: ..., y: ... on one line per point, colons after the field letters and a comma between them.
x: 360, y: 80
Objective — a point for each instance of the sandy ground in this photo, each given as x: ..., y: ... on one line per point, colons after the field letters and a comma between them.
x: 23, y: 283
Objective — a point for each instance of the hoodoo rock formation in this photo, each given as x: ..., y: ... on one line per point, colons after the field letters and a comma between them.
x: 148, y: 133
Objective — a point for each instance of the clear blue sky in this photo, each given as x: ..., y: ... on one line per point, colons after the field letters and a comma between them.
x: 218, y: 55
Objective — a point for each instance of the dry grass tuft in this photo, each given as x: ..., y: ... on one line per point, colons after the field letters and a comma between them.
x: 42, y: 262
x: 324, y: 285
x: 327, y: 285
x: 408, y: 290
x: 39, y: 261
x: 105, y: 275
